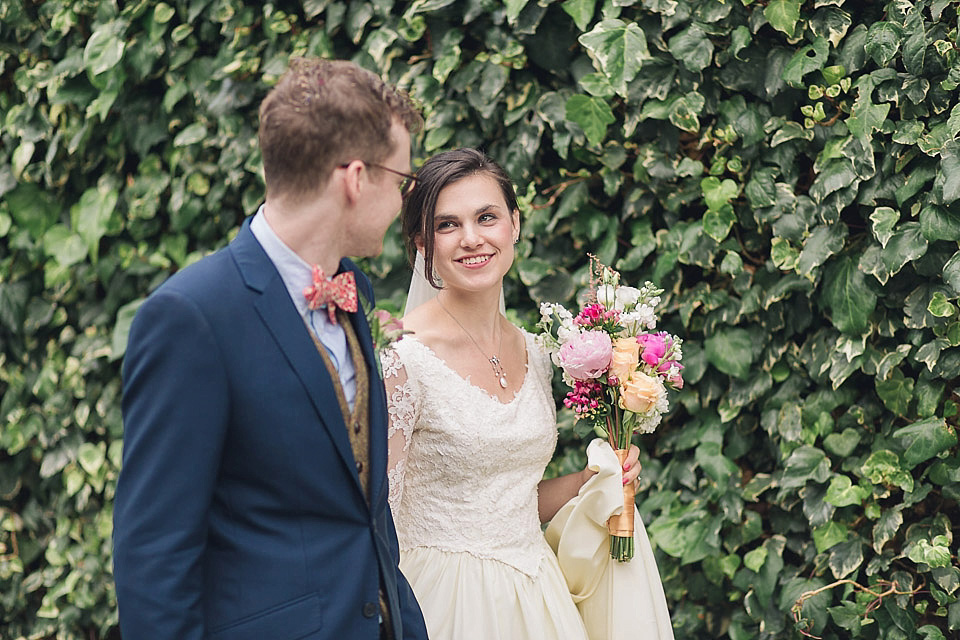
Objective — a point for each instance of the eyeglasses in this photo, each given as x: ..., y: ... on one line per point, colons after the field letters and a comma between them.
x: 406, y: 185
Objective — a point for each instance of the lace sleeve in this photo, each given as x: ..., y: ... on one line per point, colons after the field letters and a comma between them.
x: 402, y: 408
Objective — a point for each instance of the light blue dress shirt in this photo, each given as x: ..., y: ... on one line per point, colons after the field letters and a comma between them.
x: 297, y: 275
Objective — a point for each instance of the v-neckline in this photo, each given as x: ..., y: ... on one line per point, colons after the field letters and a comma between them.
x: 473, y: 385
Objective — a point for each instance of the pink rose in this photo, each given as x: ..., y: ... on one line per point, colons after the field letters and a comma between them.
x: 388, y: 323
x: 586, y: 355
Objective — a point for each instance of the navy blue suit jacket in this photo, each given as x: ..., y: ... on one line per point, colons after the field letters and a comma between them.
x: 239, y: 514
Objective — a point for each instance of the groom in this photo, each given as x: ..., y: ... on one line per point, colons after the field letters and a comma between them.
x: 252, y: 504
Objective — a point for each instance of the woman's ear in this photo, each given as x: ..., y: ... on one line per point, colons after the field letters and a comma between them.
x: 515, y: 221
x: 418, y: 243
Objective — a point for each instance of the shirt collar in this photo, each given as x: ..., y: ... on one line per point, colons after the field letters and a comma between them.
x: 296, y: 273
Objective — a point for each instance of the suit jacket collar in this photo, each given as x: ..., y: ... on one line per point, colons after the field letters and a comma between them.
x: 281, y: 319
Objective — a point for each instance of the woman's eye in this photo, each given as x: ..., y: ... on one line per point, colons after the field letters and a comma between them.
x: 487, y: 217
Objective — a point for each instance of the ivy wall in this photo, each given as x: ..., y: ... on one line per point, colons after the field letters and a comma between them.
x: 788, y: 170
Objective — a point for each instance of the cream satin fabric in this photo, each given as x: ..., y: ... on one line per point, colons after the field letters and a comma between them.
x: 618, y: 601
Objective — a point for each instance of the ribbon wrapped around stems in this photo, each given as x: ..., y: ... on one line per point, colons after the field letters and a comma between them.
x: 621, y: 526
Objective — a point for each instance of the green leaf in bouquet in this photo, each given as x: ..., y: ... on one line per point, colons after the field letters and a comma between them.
x: 925, y: 439
x: 619, y: 47
x: 883, y: 468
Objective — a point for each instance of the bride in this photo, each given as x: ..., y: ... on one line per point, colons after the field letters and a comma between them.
x: 473, y: 422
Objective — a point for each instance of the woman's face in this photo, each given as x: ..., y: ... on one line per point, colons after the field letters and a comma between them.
x: 473, y: 233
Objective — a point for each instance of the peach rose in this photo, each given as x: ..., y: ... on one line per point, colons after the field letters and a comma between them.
x: 626, y: 356
x: 640, y: 393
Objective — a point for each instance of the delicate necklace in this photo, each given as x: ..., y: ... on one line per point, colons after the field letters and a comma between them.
x: 494, y: 360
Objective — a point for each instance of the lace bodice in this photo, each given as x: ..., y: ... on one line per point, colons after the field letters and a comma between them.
x: 464, y: 467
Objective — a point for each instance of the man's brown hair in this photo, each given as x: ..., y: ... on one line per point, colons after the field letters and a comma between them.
x: 324, y: 113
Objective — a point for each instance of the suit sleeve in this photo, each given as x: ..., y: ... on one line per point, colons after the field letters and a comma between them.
x: 175, y: 409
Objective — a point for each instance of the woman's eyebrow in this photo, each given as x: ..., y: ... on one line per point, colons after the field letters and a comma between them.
x: 450, y: 216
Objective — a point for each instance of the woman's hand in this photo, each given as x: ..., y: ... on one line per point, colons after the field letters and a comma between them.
x: 631, y: 466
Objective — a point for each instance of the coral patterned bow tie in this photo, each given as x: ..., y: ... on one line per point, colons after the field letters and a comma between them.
x: 340, y: 291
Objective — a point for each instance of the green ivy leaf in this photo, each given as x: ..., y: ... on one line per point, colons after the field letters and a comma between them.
x: 783, y: 15
x: 843, y: 493
x: 883, y: 468
x: 809, y: 58
x: 940, y: 223
x: 846, y: 557
x: 887, y: 527
x: 884, y: 220
x: 905, y: 245
x: 828, y: 535
x: 64, y: 246
x: 91, y: 216
x: 692, y: 48
x: 91, y: 457
x: 104, y: 49
x: 940, y: 306
x: 717, y: 223
x: 842, y: 444
x: 806, y: 463
x: 581, y: 11
x: 730, y: 351
x: 847, y: 295
x: 883, y: 42
x: 925, y: 439
x: 823, y: 242
x: 717, y: 193
x: 620, y: 48
x: 121, y: 328
x: 592, y: 114
x: 935, y: 553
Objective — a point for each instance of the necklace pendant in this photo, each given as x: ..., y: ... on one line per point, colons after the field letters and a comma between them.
x: 503, y: 382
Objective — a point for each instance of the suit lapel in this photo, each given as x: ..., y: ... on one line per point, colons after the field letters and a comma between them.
x: 281, y: 319
x: 377, y: 395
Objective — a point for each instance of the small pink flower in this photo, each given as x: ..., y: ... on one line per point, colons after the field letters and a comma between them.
x: 653, y: 347
x: 586, y: 355
x: 388, y: 323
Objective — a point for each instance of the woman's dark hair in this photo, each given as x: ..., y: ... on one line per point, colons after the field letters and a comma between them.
x: 420, y: 205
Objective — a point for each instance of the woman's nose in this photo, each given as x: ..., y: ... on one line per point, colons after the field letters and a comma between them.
x: 470, y: 237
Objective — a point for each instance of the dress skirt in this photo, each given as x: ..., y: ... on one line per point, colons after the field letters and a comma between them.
x: 465, y: 597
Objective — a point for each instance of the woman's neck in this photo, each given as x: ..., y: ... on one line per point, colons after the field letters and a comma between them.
x: 476, y: 312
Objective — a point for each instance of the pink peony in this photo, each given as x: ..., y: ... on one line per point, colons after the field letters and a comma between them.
x: 586, y: 355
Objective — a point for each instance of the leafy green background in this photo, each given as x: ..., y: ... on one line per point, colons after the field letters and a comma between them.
x: 789, y: 171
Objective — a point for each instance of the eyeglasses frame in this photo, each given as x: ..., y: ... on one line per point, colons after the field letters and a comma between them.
x: 406, y: 186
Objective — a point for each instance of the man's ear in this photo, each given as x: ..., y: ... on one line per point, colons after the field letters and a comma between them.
x: 353, y: 178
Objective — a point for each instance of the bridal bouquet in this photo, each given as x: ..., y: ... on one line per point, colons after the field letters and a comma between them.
x: 619, y: 369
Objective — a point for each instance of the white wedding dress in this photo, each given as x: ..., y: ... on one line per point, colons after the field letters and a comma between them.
x: 463, y: 490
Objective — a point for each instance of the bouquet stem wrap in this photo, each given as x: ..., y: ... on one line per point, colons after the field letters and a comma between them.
x: 621, y: 526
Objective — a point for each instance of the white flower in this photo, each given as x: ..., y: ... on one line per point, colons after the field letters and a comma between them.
x: 627, y: 298
x: 607, y: 295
